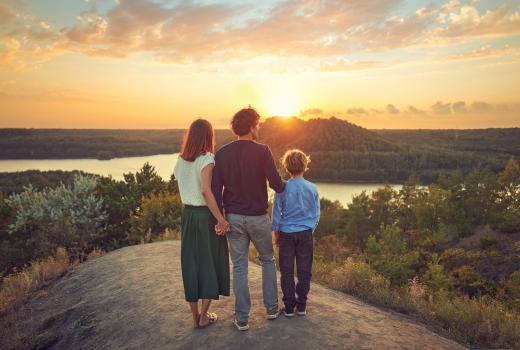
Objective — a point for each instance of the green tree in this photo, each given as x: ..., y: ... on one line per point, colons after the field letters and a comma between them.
x: 479, y: 195
x: 507, y: 218
x: 390, y: 256
x: 123, y: 200
x: 383, y: 207
x: 358, y: 224
x: 407, y: 203
x: 436, y: 277
x: 331, y: 218
x: 157, y: 213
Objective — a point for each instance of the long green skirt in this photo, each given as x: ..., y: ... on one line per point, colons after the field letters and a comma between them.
x: 204, y: 256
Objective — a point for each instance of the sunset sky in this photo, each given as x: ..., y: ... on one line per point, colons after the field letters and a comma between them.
x: 160, y: 64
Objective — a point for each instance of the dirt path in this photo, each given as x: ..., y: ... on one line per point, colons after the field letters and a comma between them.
x: 133, y: 298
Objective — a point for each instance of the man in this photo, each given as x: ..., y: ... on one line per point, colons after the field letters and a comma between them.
x: 239, y: 185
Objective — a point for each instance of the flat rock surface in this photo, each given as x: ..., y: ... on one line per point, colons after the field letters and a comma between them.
x: 133, y: 298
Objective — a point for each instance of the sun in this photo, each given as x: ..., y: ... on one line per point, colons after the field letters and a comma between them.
x: 282, y: 105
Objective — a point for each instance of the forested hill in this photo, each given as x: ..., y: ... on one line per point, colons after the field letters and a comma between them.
x: 342, y: 151
x: 486, y: 141
x: 92, y: 143
x: 320, y: 135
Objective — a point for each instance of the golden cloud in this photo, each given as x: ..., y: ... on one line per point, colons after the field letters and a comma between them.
x: 327, y: 31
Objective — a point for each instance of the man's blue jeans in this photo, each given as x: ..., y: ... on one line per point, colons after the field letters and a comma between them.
x: 257, y: 229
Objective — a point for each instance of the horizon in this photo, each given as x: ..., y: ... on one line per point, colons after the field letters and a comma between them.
x: 262, y: 121
x: 159, y: 64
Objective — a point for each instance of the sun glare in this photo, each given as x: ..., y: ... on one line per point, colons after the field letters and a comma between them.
x: 282, y: 105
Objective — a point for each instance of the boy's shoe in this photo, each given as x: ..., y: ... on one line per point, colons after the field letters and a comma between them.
x: 301, y: 310
x: 273, y: 313
x: 241, y: 325
x: 288, y: 312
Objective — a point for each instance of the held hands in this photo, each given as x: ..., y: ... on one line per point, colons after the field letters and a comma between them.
x: 222, y: 227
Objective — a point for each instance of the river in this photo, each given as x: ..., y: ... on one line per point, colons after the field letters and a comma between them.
x: 163, y: 164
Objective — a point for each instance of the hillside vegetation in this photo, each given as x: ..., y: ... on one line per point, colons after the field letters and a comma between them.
x: 92, y: 143
x: 341, y: 151
x: 485, y: 141
x: 448, y: 253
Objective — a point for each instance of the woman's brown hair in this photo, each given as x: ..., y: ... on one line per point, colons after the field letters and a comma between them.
x: 199, y: 139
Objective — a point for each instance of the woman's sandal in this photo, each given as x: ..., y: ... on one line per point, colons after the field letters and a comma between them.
x: 212, y: 318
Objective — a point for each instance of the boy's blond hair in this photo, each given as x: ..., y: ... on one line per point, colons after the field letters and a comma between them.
x: 295, y: 161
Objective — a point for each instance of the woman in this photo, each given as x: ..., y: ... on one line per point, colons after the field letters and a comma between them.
x: 204, y: 253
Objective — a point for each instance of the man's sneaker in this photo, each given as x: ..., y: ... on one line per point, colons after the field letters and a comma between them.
x: 273, y: 313
x: 301, y: 310
x: 288, y: 312
x: 241, y: 325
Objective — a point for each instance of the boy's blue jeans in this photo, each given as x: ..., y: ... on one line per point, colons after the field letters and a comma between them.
x: 257, y: 229
x: 295, y: 245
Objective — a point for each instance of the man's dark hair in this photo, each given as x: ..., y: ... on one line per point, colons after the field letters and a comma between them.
x: 244, y: 120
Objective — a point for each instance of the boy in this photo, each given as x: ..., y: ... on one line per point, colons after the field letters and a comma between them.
x: 296, y: 213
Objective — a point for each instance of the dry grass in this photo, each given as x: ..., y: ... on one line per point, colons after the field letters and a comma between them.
x: 16, y: 287
x: 477, y: 322
x: 167, y: 235
x: 482, y: 322
x: 21, y: 285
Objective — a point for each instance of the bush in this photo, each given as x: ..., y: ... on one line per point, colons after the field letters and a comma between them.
x: 390, y: 256
x: 72, y: 217
x: 331, y: 218
x: 436, y: 278
x: 487, y: 242
x: 358, y: 277
x: 481, y: 322
x: 471, y: 282
x: 456, y: 257
x: 157, y: 213
x: 510, y: 294
x: 507, y: 220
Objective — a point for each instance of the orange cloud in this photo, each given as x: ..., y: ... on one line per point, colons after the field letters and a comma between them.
x: 326, y: 31
x: 345, y: 65
x: 486, y: 52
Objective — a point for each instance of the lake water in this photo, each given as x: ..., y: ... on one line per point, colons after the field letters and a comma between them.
x: 163, y: 164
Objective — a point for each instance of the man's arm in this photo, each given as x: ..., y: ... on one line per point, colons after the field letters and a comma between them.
x: 277, y: 216
x: 271, y: 173
x: 217, y: 186
x: 277, y: 212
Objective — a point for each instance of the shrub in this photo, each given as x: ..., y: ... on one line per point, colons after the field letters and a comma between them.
x: 510, y: 293
x: 167, y: 235
x: 72, y: 217
x: 390, y: 256
x: 436, y: 278
x: 487, y: 242
x: 456, y: 257
x: 157, y: 213
x: 331, y: 219
x: 481, y: 322
x: 470, y: 282
x: 358, y: 277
